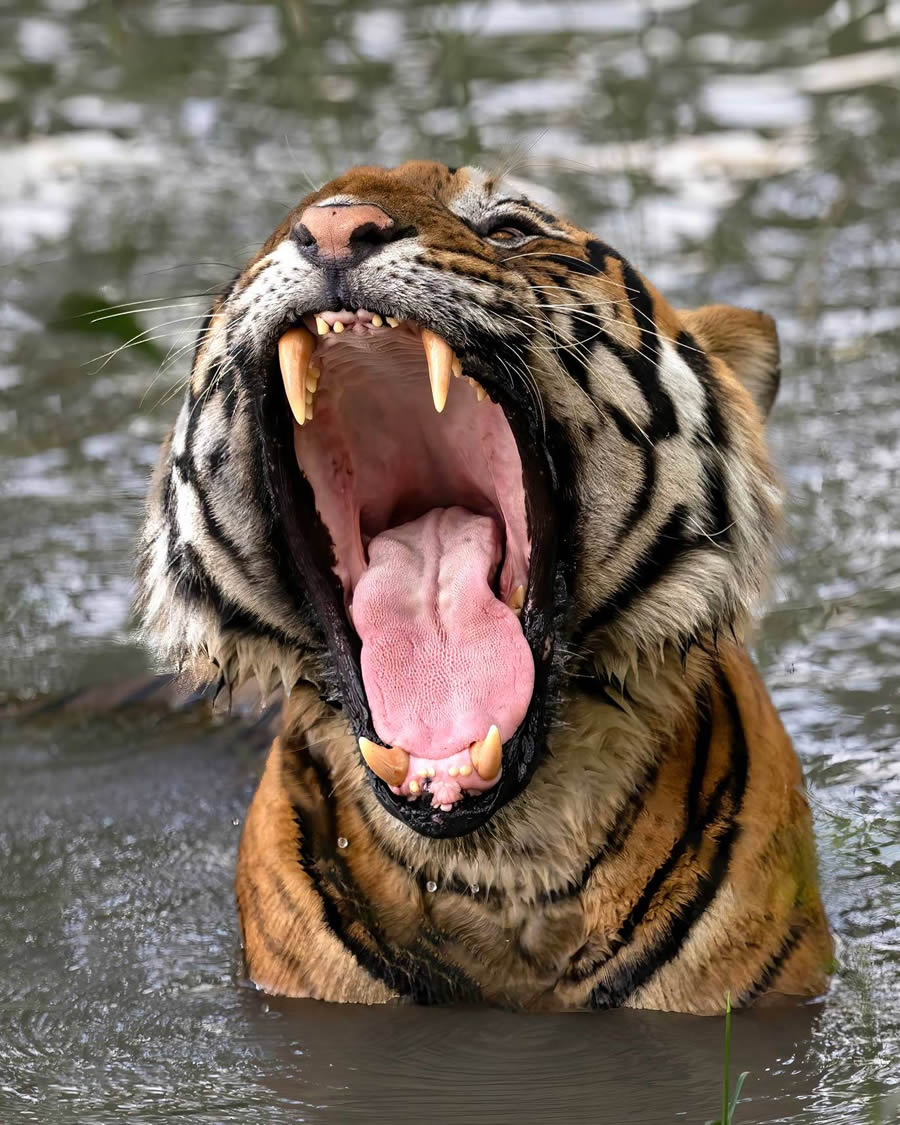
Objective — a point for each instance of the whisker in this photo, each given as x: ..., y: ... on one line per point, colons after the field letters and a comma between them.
x: 144, y: 337
x: 131, y: 312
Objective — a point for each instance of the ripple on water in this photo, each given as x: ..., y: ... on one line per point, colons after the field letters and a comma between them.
x: 747, y: 156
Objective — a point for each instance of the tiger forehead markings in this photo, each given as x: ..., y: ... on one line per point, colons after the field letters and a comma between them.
x: 453, y: 474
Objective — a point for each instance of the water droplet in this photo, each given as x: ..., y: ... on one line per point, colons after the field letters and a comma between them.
x: 474, y: 888
x: 343, y: 842
x: 431, y: 886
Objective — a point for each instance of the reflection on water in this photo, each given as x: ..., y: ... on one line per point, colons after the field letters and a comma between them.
x: 740, y: 152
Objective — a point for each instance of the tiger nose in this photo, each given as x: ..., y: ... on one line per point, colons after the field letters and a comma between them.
x: 343, y: 231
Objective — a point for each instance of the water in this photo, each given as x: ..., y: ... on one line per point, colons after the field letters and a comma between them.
x: 740, y: 152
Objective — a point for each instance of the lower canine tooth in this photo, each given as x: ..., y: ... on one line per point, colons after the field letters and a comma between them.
x: 517, y: 599
x: 486, y: 755
x: 439, y: 357
x: 390, y: 763
x: 294, y: 349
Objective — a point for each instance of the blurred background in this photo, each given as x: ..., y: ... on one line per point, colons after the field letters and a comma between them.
x: 736, y: 151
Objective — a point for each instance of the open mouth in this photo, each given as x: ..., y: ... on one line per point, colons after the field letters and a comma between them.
x: 426, y: 556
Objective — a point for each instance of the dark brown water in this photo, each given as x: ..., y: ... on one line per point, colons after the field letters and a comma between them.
x: 745, y: 152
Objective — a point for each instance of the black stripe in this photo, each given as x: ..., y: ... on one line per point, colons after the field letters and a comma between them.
x: 716, y: 431
x: 773, y: 965
x: 577, y: 355
x: 374, y: 964
x: 599, y: 251
x: 186, y: 467
x: 570, y: 357
x: 572, y: 264
x: 276, y: 949
x: 646, y: 370
x: 167, y: 498
x: 217, y: 457
x: 412, y: 971
x: 698, y: 362
x: 644, y: 496
x: 717, y: 494
x: 702, y: 742
x: 726, y: 800
x: 691, y: 837
x: 549, y: 218
x: 667, y: 548
x: 643, y: 364
x: 195, y: 584
x: 615, y: 838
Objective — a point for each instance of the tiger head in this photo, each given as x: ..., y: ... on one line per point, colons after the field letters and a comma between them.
x: 452, y: 459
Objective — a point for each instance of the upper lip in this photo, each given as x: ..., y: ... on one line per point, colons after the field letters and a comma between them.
x: 299, y: 345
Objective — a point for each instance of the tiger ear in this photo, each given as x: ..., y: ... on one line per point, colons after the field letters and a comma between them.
x: 746, y: 340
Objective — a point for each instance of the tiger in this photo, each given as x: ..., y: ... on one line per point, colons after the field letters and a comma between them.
x: 496, y: 518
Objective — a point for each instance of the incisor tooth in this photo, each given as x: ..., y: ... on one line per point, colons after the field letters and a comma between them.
x: 294, y: 349
x: 322, y: 326
x: 337, y: 327
x: 377, y: 321
x: 480, y: 392
x: 439, y: 356
x: 456, y: 367
x: 392, y: 321
x: 390, y: 763
x: 516, y: 599
x: 486, y: 755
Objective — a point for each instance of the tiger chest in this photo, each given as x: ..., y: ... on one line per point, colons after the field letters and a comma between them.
x: 515, y: 951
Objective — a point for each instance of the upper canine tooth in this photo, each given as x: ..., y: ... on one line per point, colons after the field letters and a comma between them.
x: 322, y: 326
x: 294, y: 349
x: 439, y: 356
x: 486, y: 755
x: 390, y: 763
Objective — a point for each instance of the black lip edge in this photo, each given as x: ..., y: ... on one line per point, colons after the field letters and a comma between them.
x: 292, y: 494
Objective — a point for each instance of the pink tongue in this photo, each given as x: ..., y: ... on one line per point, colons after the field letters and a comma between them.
x: 442, y: 658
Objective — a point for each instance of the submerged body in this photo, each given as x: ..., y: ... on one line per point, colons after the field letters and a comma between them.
x: 495, y: 515
x: 678, y: 866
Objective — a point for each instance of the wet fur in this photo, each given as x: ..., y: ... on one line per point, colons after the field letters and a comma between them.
x: 662, y: 853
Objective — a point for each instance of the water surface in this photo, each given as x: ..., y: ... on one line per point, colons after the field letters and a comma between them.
x: 744, y: 152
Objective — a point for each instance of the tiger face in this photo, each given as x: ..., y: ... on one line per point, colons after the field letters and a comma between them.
x: 453, y: 460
